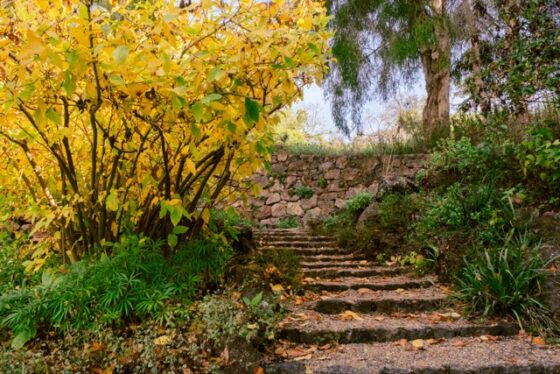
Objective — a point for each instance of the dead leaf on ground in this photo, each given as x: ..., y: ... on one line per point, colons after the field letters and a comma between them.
x: 435, y: 341
x: 379, y: 318
x: 488, y: 338
x: 458, y: 343
x: 301, y: 358
x: 364, y: 290
x: 349, y: 315
x: 258, y: 370
x: 538, y: 340
x: 296, y: 352
x: 162, y: 340
x: 418, y: 344
x: 277, y: 288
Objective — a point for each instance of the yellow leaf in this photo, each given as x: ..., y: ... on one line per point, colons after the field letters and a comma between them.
x: 191, y: 166
x: 205, y: 215
x: 349, y: 315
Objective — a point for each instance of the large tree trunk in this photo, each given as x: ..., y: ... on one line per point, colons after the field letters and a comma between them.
x: 436, y: 63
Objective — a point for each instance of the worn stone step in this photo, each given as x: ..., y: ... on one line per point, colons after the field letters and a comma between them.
x: 299, y: 244
x: 372, y: 283
x: 325, y: 258
x: 368, y: 301
x: 275, y: 238
x: 310, y: 251
x: 335, y: 264
x: 350, y: 272
x: 452, y: 356
x: 318, y: 328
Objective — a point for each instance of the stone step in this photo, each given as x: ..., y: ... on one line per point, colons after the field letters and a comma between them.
x: 372, y: 283
x: 335, y: 264
x: 310, y: 251
x: 313, y: 238
x: 325, y: 258
x: 350, y: 272
x: 298, y: 244
x: 368, y: 301
x: 451, y: 356
x: 318, y: 328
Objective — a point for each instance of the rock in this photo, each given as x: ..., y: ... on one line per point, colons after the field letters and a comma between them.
x: 341, y: 162
x: 309, y: 203
x: 264, y: 211
x: 269, y: 222
x: 273, y: 199
x: 281, y: 157
x: 278, y: 210
x: 396, y: 184
x: 339, y: 203
x: 294, y: 209
x: 325, y: 166
x: 373, y: 188
x: 369, y: 214
x: 332, y: 174
x: 350, y: 174
x: 242, y: 358
x: 290, y: 181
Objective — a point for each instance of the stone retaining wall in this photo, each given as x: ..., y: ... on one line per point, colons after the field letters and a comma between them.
x: 331, y: 180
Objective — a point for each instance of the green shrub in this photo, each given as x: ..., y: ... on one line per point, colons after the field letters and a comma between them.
x: 278, y: 267
x: 322, y: 183
x: 12, y: 273
x: 225, y: 221
x: 135, y: 281
x: 505, y: 280
x: 288, y: 222
x: 304, y: 192
x: 359, y: 202
x: 540, y: 156
x: 397, y: 210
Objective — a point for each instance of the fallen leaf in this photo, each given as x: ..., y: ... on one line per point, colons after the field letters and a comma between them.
x: 301, y: 358
x: 418, y: 344
x: 399, y: 290
x: 324, y: 347
x: 296, y: 352
x: 401, y: 342
x: 364, y: 290
x: 225, y: 355
x: 258, y: 370
x: 488, y: 338
x: 363, y: 262
x: 349, y: 315
x: 162, y: 340
x: 379, y: 318
x: 96, y: 347
x: 435, y: 341
x: 458, y: 343
x: 277, y: 288
x: 538, y: 340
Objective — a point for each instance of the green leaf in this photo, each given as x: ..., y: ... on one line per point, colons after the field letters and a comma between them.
x: 120, y: 54
x: 22, y: 337
x: 231, y: 127
x: 314, y: 48
x: 251, y: 111
x: 176, y: 213
x: 210, y: 98
x: 172, y: 240
x: 198, y: 111
x: 178, y: 230
x: 68, y: 84
x: 215, y: 74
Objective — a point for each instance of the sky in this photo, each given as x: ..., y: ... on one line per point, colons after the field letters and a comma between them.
x: 314, y: 102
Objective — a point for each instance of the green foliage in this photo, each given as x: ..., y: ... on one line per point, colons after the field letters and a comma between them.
x: 304, y: 192
x: 540, y: 156
x: 396, y: 210
x: 225, y: 221
x: 278, y: 267
x: 12, y: 272
x: 135, y: 281
x: 322, y: 183
x: 288, y: 222
x: 225, y: 318
x: 358, y: 203
x: 505, y: 280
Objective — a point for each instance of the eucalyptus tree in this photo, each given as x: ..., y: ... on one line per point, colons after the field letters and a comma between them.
x: 382, y: 44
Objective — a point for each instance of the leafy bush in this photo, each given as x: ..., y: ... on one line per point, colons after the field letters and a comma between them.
x: 225, y: 221
x: 135, y: 281
x: 288, y: 222
x: 224, y: 318
x: 505, y: 280
x: 304, y: 192
x: 396, y: 210
x: 540, y: 156
x: 358, y: 203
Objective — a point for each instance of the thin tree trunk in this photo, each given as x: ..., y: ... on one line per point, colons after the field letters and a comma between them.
x: 436, y: 63
x: 474, y: 35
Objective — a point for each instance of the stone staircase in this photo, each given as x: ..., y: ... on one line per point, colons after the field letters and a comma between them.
x: 357, y: 317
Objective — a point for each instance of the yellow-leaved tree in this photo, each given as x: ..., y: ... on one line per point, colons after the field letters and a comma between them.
x: 138, y: 116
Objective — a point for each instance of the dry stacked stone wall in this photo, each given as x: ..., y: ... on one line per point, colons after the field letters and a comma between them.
x: 309, y: 186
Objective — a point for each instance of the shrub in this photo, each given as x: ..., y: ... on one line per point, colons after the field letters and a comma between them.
x: 288, y: 222
x: 358, y: 203
x: 135, y: 281
x: 540, y: 157
x: 396, y: 210
x: 505, y: 280
x: 304, y: 192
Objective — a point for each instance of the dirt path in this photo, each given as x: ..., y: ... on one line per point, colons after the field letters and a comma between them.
x: 359, y: 317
